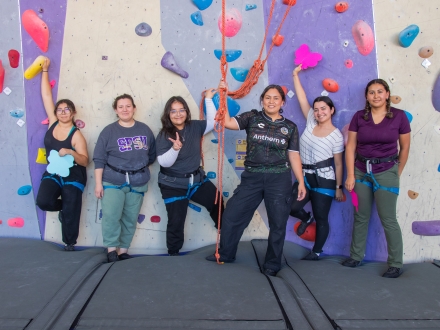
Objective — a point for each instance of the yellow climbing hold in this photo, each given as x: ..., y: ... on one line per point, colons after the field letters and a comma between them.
x: 35, y: 68
x: 41, y: 156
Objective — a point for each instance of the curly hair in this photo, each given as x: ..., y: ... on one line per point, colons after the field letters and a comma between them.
x: 367, y: 104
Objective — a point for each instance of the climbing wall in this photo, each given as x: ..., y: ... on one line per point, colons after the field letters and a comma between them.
x: 156, y: 49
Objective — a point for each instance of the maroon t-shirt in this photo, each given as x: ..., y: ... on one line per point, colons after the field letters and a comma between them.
x: 378, y: 140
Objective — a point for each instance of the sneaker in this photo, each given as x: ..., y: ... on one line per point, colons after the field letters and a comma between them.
x: 69, y: 247
x: 303, y: 226
x: 124, y: 256
x: 311, y: 256
x: 350, y: 262
x: 213, y: 258
x: 112, y: 256
x: 269, y: 272
x: 392, y: 272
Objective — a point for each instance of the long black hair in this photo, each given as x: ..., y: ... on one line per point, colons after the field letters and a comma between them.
x: 278, y: 88
x: 69, y: 105
x: 168, y: 128
x: 327, y: 101
x: 367, y: 104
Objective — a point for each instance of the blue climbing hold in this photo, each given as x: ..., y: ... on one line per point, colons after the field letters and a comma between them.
x: 17, y: 113
x: 214, y: 140
x: 24, y: 190
x: 197, y: 18
x: 211, y: 175
x: 250, y: 7
x: 202, y: 4
x: 239, y: 74
x: 230, y: 160
x: 231, y: 54
x: 233, y: 106
x: 438, y: 168
x: 226, y: 194
x: 407, y: 36
x: 195, y: 207
x: 141, y: 218
x: 143, y: 29
x: 409, y: 116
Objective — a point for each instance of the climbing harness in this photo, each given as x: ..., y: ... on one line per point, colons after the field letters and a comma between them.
x: 324, y: 191
x: 126, y: 184
x: 61, y: 182
x: 127, y: 179
x: 375, y: 185
x: 192, y: 188
x: 322, y: 164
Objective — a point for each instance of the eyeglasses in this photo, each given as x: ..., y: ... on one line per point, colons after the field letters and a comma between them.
x: 180, y: 112
x: 65, y: 110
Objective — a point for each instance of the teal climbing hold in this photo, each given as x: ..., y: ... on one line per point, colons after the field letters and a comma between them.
x: 24, y: 190
x: 250, y: 7
x: 231, y: 54
x: 202, y: 4
x: 214, y: 141
x: 211, y: 175
x: 226, y: 194
x: 409, y: 116
x: 233, y: 106
x: 17, y: 113
x: 239, y: 74
x: 438, y: 168
x: 197, y: 18
x: 407, y: 36
x: 230, y: 160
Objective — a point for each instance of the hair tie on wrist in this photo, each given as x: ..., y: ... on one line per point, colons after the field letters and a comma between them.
x: 44, y: 71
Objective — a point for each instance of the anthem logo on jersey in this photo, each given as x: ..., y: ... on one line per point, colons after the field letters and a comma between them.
x: 266, y: 138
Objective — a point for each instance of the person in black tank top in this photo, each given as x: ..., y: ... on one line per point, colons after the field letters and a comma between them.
x: 65, y: 138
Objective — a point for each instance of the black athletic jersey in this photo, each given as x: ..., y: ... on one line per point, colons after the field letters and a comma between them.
x: 268, y: 142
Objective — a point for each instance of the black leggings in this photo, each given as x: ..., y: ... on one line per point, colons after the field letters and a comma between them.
x: 320, y: 205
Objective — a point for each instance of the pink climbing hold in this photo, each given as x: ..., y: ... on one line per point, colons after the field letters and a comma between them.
x: 16, y: 222
x: 354, y: 200
x: 45, y: 122
x: 363, y: 36
x: 306, y: 58
x: 79, y: 123
x: 52, y: 83
x: 348, y: 64
x: 2, y: 76
x: 1, y: 221
x: 278, y: 39
x: 14, y: 58
x: 155, y: 218
x: 233, y: 22
x: 36, y: 28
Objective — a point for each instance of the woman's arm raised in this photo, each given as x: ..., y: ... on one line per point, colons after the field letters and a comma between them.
x: 300, y: 93
x: 46, y: 93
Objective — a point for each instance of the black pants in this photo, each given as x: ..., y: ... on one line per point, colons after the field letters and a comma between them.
x: 69, y: 204
x: 275, y: 189
x: 320, y: 206
x: 205, y: 196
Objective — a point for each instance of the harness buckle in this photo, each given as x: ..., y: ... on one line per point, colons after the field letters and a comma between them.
x: 369, y: 166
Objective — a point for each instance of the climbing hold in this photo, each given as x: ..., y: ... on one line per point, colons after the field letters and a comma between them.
x: 363, y: 36
x: 436, y: 94
x: 226, y: 194
x: 426, y: 52
x: 41, y: 156
x: 14, y: 58
x: 409, y: 116
x: 45, y: 122
x: 412, y: 194
x: 2, y: 75
x: 155, y: 218
x: 437, y: 129
x: 143, y: 29
x: 348, y: 64
x: 59, y: 164
x: 35, y: 68
x: 24, y: 190
x: 231, y: 54
x: 36, y: 28
x: 141, y: 218
x: 211, y: 175
x: 341, y: 6
x: 284, y: 88
x: 230, y: 160
x: 233, y: 22
x: 16, y: 222
x: 289, y: 2
x: 306, y: 58
x: 324, y: 93
x: 233, y: 106
x: 1, y: 221
x: 277, y: 39
x: 395, y: 99
x: 197, y: 18
x: 52, y: 83
x: 239, y: 74
x: 79, y: 123
x: 168, y: 62
x: 21, y: 122
x: 309, y: 234
x: 346, y: 43
x: 202, y: 4
x: 392, y: 80
x: 426, y: 63
x: 17, y: 113
x: 426, y: 228
x: 330, y: 85
x: 438, y: 168
x: 194, y: 207
x: 214, y: 141
x: 407, y: 36
x: 250, y: 7
x: 290, y: 93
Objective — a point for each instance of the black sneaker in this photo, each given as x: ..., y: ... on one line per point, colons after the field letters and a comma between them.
x: 69, y: 247
x: 311, y: 256
x: 112, y: 256
x: 303, y: 226
x: 269, y: 272
x: 392, y: 272
x: 350, y: 262
x: 213, y: 258
x: 124, y: 256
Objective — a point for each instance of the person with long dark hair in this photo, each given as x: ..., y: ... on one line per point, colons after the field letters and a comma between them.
x: 321, y: 145
x: 272, y: 152
x: 376, y: 154
x: 65, y: 138
x: 181, y: 178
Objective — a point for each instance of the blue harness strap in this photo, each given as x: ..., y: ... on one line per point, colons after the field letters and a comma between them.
x: 190, y: 192
x: 62, y: 183
x: 123, y: 186
x: 324, y: 191
x: 375, y: 185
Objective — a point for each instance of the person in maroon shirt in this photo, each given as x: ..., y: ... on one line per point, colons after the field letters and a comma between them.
x: 374, y: 164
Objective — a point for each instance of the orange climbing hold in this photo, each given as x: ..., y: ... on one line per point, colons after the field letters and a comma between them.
x: 309, y: 234
x: 36, y: 28
x: 289, y: 2
x: 277, y: 39
x: 341, y: 6
x: 284, y: 89
x: 395, y: 99
x: 412, y: 194
x: 330, y: 85
x: 16, y: 222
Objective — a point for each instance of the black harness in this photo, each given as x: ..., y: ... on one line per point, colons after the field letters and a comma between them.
x: 176, y: 174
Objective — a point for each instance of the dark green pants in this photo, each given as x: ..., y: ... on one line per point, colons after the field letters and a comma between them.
x: 386, y: 208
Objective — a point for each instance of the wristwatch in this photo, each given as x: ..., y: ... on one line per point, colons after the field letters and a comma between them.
x: 339, y: 187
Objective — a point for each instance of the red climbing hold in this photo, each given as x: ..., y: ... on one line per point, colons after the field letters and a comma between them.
x: 16, y: 222
x: 309, y: 234
x: 277, y: 39
x: 284, y: 89
x: 2, y: 76
x: 1, y: 221
x: 45, y: 122
x: 14, y: 58
x: 155, y: 218
x: 36, y: 28
x: 52, y: 83
x: 363, y: 36
x: 289, y: 2
x: 330, y: 85
x: 348, y: 64
x: 341, y: 6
